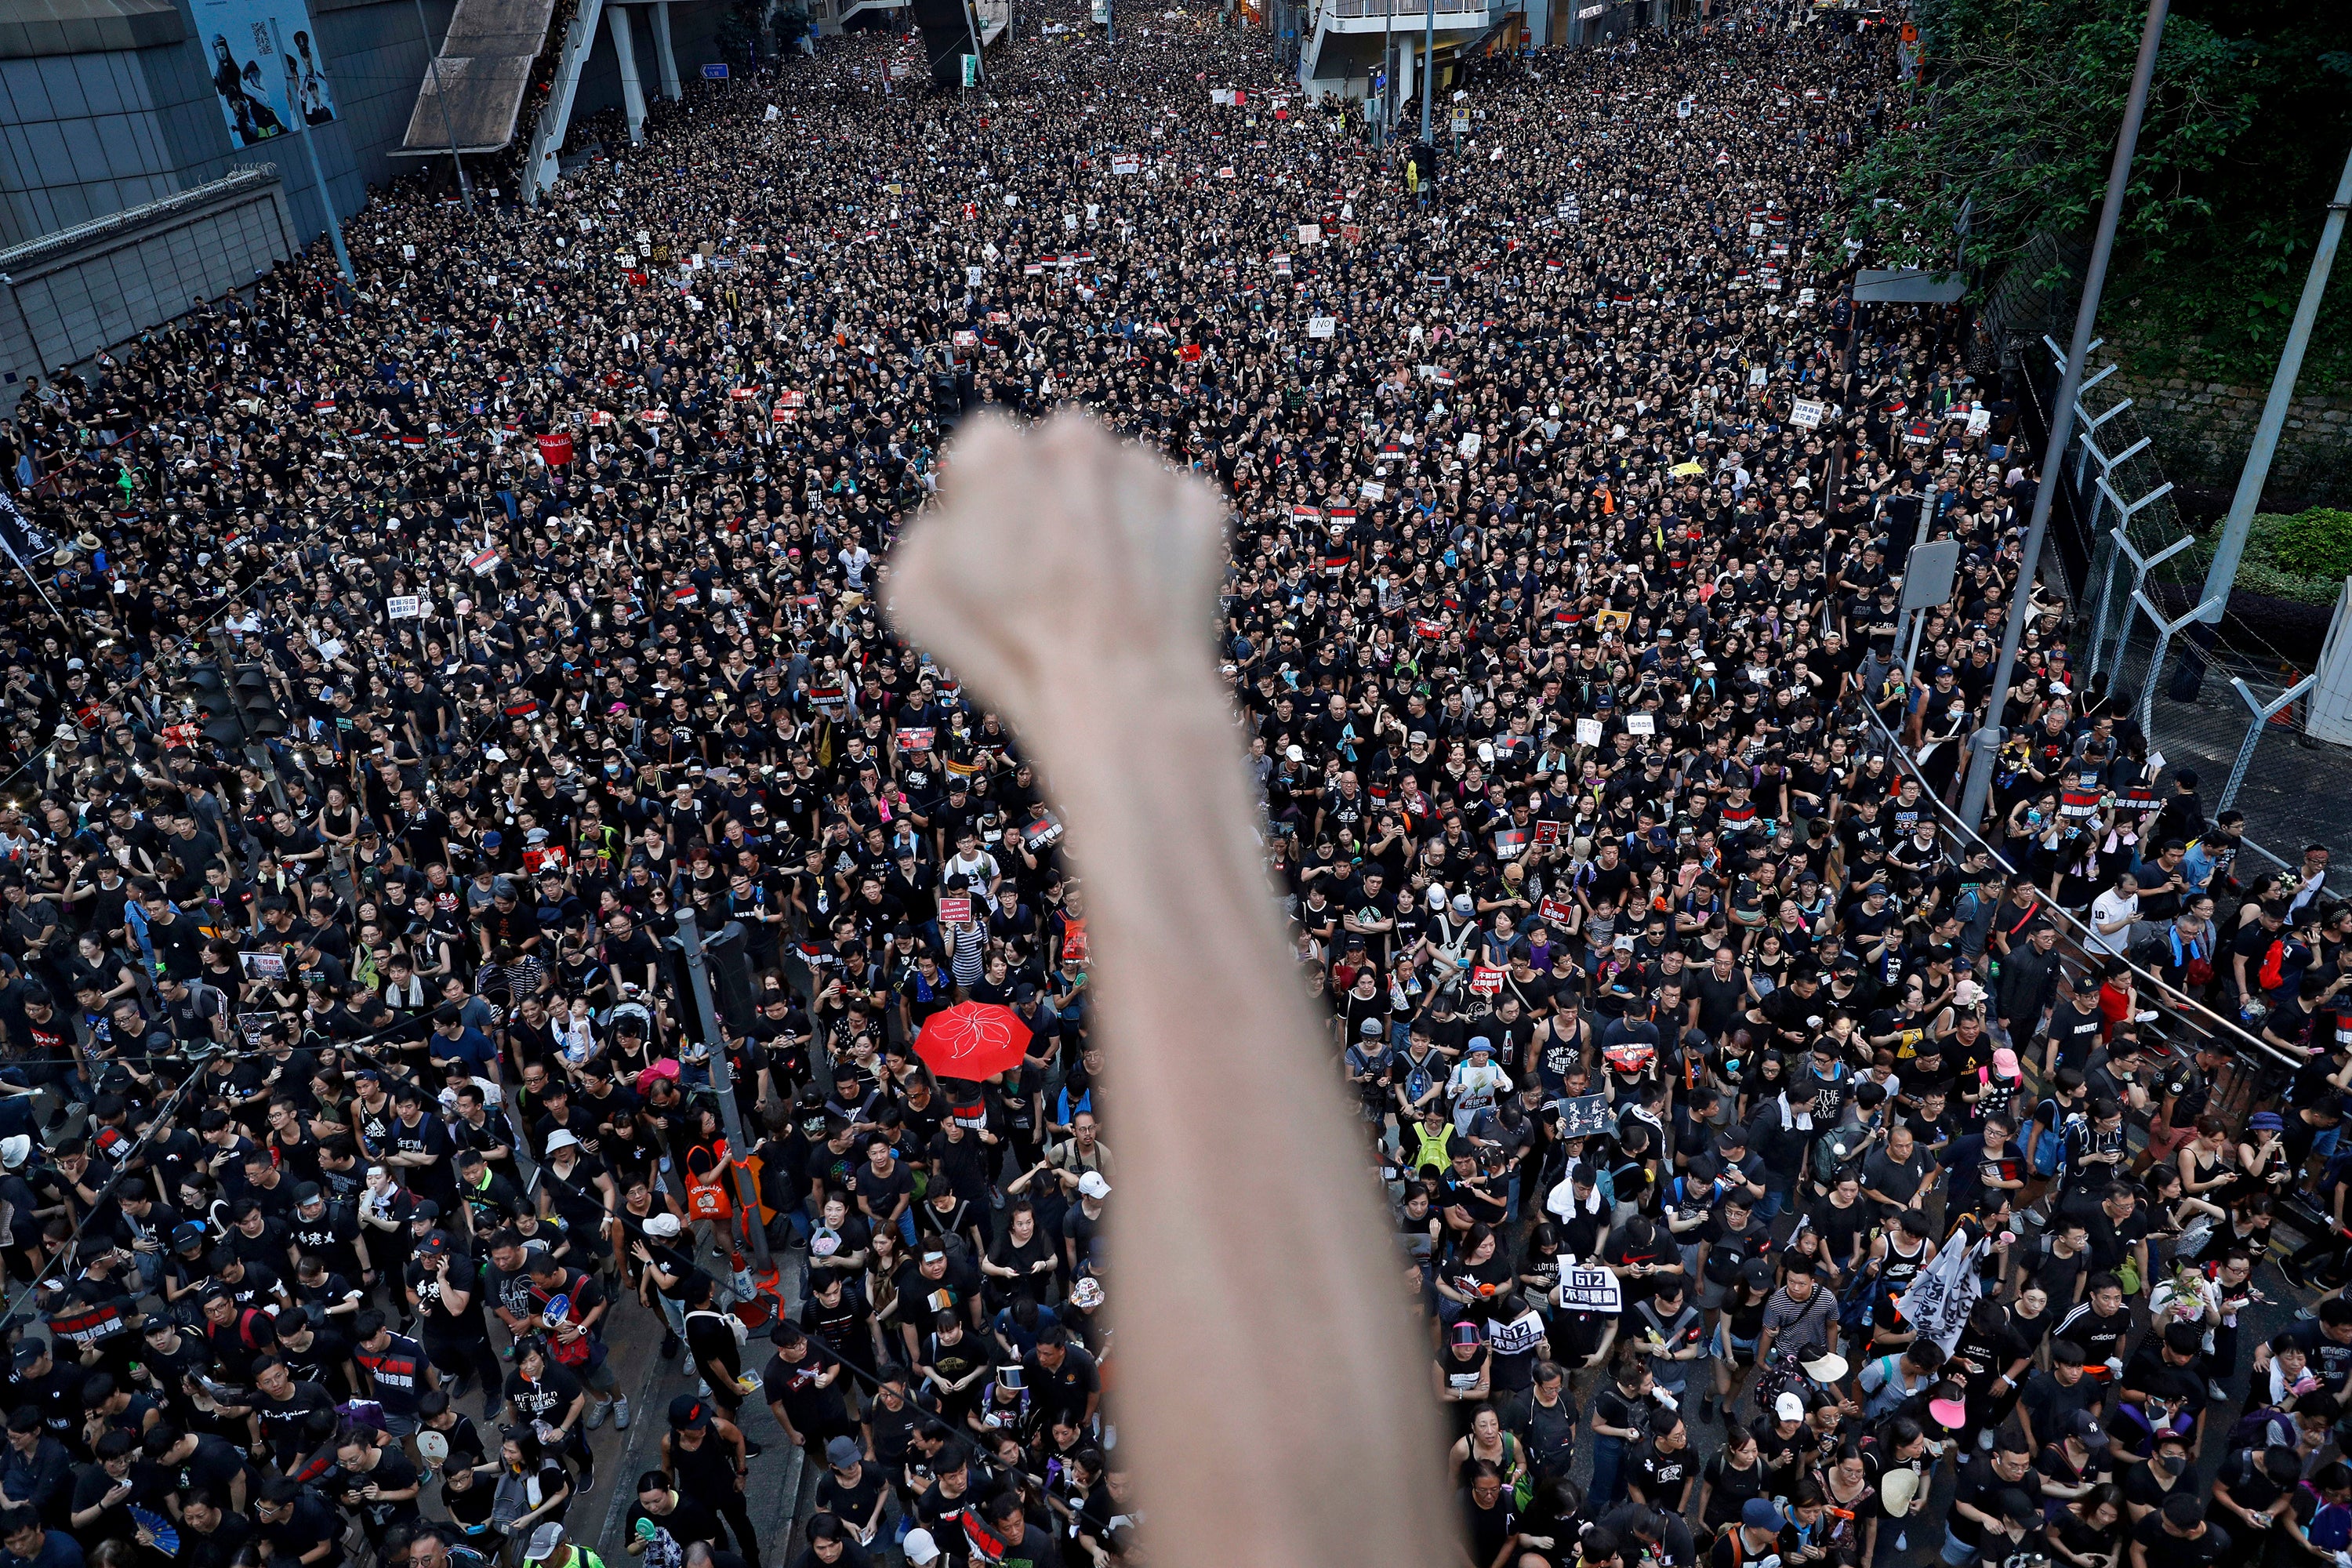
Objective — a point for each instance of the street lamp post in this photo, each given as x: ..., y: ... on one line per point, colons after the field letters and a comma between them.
x: 1428, y: 71
x: 1986, y: 741
x: 448, y: 126
x: 326, y: 198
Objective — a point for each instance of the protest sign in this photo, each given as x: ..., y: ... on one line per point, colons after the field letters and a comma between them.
x: 1590, y: 1290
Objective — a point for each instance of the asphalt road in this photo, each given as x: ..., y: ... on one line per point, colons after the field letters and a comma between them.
x: 782, y: 1485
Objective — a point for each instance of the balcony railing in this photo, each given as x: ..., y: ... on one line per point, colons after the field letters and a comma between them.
x: 1457, y: 12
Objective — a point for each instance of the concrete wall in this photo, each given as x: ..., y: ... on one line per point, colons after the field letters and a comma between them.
x: 693, y: 33
x: 379, y: 60
x: 110, y: 109
x: 69, y: 294
x: 2202, y: 430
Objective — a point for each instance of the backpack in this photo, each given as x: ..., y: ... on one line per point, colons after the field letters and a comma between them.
x: 743, y: 1334
x: 2330, y: 1529
x: 2273, y: 972
x: 2258, y: 1430
x: 1837, y: 1151
x: 2052, y: 1143
x: 1858, y: 1304
x: 1890, y: 1396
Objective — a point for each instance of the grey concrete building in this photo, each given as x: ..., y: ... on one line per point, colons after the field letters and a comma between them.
x: 153, y: 150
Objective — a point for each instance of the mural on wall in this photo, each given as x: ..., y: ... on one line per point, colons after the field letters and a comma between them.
x: 259, y: 50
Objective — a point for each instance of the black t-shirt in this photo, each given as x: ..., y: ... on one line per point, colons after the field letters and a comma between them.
x: 547, y: 1400
x: 852, y: 1503
x: 1065, y: 1388
x: 282, y: 1421
x: 813, y: 1412
x: 1980, y: 1486
x: 311, y: 1522
x: 879, y: 1193
x: 2101, y: 1338
x: 1665, y: 1479
x: 2211, y: 1545
x: 2330, y: 1362
x: 1842, y: 1229
x: 687, y: 1523
x: 439, y: 1321
x: 1727, y: 1487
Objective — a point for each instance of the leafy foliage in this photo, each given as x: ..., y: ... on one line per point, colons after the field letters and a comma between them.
x: 2247, y: 127
x: 2316, y: 544
x: 2303, y: 556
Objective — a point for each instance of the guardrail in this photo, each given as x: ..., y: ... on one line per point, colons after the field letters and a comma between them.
x: 2192, y: 1014
x: 1409, y: 11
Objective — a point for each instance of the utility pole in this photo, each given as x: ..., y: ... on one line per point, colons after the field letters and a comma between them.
x: 971, y: 28
x: 722, y: 1079
x: 1428, y: 72
x: 2231, y: 546
x: 1986, y: 741
x: 326, y: 197
x: 448, y: 126
x: 1388, y: 73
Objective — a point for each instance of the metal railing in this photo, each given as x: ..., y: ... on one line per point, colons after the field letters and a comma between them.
x: 2192, y: 1016
x: 1408, y: 12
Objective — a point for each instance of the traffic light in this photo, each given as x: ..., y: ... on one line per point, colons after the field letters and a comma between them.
x: 215, y: 709
x: 256, y: 703
x: 235, y: 710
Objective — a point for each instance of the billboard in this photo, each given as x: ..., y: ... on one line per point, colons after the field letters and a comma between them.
x: 251, y: 45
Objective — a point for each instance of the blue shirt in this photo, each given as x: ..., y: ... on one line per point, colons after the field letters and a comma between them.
x: 470, y: 1047
x: 58, y: 1550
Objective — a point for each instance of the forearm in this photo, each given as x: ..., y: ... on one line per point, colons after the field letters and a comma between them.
x: 1159, y: 814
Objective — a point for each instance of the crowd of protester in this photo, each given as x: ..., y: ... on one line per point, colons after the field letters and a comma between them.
x: 349, y: 1090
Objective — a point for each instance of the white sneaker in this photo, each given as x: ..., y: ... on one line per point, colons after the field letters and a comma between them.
x: 621, y: 1411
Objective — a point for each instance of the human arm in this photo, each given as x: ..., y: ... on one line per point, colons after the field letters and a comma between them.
x: 1158, y: 816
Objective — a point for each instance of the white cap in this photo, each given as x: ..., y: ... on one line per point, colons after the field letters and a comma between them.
x: 1092, y: 1185
x: 1789, y: 1407
x: 920, y: 1547
x: 662, y: 1224
x: 561, y: 1137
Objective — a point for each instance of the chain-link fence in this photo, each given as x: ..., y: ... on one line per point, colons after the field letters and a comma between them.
x: 2142, y: 573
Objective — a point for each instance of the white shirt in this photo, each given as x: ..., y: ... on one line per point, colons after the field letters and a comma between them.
x: 2105, y: 910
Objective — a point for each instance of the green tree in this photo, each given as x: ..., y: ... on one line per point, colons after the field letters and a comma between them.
x: 2247, y: 127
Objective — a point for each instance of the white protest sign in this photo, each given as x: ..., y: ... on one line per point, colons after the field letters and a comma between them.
x: 1640, y: 724
x: 1322, y: 326
x: 1590, y: 1290
x: 403, y: 607
x: 1806, y: 415
x: 1588, y: 732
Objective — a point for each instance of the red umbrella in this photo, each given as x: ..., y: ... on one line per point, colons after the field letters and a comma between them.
x: 972, y: 1040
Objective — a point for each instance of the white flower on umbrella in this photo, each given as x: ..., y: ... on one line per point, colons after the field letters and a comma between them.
x: 971, y: 1032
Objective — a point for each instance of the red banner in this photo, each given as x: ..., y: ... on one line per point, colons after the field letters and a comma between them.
x: 555, y: 451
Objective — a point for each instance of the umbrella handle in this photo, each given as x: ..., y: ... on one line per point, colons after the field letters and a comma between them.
x: 1069, y: 579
